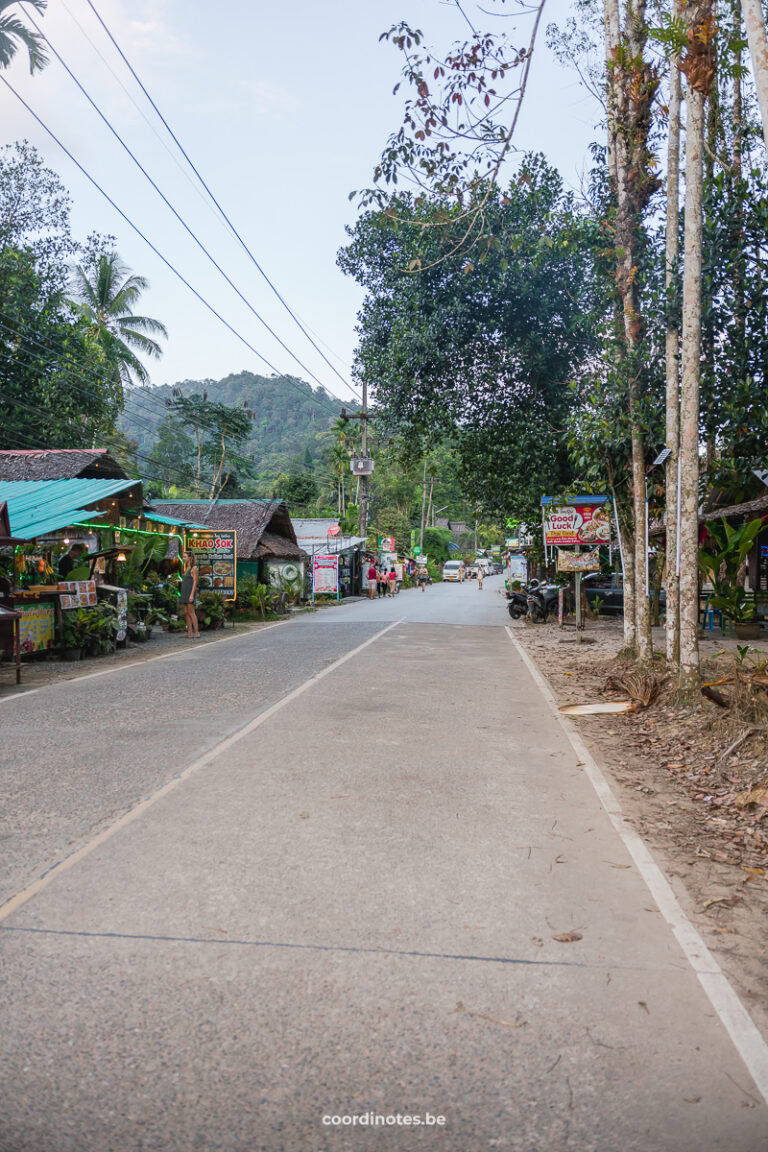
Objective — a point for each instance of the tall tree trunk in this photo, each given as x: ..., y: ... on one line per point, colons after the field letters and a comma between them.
x: 672, y: 354
x: 631, y: 88
x: 758, y: 50
x: 689, y: 401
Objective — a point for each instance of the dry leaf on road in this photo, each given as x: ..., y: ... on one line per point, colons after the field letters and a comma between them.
x: 567, y: 937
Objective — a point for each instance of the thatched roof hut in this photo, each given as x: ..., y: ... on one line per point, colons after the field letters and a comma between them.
x: 60, y: 464
x: 264, y: 528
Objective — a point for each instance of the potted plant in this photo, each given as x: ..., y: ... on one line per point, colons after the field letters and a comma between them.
x: 723, y: 564
x: 72, y: 635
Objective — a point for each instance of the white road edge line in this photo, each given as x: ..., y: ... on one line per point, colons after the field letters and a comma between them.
x: 747, y: 1038
x: 149, y: 660
x: 21, y: 898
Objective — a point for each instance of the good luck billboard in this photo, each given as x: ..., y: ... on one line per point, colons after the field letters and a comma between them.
x: 216, y: 554
x: 587, y: 520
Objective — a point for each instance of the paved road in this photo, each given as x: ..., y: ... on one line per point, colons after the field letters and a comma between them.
x: 346, y: 907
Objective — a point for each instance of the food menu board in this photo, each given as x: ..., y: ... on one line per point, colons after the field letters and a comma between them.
x: 578, y: 561
x: 325, y: 574
x: 216, y: 555
x: 572, y: 524
x: 77, y: 594
x: 37, y: 627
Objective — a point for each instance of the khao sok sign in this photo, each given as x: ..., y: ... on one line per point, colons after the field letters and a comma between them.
x: 216, y: 554
x: 587, y: 520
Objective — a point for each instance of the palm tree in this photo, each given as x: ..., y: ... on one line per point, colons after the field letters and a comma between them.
x: 105, y: 293
x: 13, y: 33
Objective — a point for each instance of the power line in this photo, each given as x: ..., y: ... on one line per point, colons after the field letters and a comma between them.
x: 203, y: 199
x: 146, y: 240
x: 234, y: 231
x: 169, y: 205
x: 132, y: 395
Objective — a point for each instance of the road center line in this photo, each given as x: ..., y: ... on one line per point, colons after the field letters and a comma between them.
x: 21, y: 898
x: 746, y: 1037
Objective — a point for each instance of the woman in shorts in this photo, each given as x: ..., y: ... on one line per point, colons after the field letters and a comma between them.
x: 189, y: 594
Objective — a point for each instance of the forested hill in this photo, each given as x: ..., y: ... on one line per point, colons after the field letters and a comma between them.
x: 289, y: 414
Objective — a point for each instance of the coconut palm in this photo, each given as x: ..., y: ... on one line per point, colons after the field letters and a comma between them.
x: 14, y: 33
x: 105, y: 292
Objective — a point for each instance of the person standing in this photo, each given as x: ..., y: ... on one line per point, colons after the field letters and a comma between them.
x: 381, y: 580
x: 422, y: 576
x: 372, y: 578
x: 392, y: 580
x: 70, y: 559
x: 189, y: 584
x: 480, y: 574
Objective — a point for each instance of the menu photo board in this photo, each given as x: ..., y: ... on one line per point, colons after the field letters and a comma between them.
x: 578, y: 523
x: 578, y: 561
x: 77, y: 594
x: 215, y: 552
x: 325, y: 575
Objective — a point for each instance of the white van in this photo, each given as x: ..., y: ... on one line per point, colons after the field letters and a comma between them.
x: 453, y: 569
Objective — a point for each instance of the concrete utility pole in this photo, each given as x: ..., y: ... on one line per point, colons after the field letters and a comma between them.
x: 363, y: 519
x: 423, y: 505
x: 363, y: 417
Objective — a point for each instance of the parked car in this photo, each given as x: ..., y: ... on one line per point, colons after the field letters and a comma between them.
x: 610, y: 590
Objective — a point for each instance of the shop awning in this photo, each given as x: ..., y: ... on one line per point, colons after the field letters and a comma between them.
x: 158, y: 519
x: 37, y: 507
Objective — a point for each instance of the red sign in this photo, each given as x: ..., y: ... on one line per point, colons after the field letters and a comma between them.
x: 578, y: 524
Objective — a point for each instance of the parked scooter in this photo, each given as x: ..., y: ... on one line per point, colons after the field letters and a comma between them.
x: 517, y: 605
x: 542, y: 602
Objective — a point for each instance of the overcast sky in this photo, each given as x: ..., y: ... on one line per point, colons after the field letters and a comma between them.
x: 284, y: 109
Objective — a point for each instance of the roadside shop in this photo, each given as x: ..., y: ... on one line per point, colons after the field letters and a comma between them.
x: 335, y: 560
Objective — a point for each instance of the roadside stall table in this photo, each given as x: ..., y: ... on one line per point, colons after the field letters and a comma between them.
x: 9, y: 625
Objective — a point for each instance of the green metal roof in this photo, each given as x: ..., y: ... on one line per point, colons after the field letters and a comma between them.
x: 36, y: 507
x: 170, y: 520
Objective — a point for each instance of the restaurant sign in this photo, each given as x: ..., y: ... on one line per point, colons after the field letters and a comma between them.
x: 37, y: 627
x: 578, y: 561
x: 325, y: 575
x: 216, y: 554
x: 579, y: 523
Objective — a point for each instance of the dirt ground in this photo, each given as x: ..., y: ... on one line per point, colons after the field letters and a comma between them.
x: 705, y: 815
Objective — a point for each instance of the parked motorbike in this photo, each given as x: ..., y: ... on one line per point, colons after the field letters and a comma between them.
x: 517, y: 605
x: 542, y: 602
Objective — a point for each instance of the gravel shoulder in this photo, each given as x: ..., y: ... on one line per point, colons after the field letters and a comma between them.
x: 665, y: 763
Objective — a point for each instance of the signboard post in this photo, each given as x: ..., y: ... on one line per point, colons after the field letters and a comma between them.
x: 325, y: 575
x: 215, y: 552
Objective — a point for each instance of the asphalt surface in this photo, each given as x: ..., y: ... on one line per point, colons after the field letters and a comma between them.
x: 348, y: 908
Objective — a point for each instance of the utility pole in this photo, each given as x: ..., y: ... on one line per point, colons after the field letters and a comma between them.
x: 423, y: 506
x: 363, y: 417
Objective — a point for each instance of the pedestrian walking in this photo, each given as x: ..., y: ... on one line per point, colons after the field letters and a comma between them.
x: 372, y: 577
x: 189, y: 583
x: 392, y: 579
x: 480, y: 574
x: 381, y: 581
x: 422, y: 576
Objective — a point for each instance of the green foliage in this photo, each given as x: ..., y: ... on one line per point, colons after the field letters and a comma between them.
x: 436, y: 541
x: 298, y: 489
x: 723, y: 562
x: 211, y: 611
x: 105, y: 294
x: 480, y: 352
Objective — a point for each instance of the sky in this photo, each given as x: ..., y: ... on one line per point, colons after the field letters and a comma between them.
x: 284, y: 110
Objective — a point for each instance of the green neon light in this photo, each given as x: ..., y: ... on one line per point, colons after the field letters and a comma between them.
x: 117, y: 528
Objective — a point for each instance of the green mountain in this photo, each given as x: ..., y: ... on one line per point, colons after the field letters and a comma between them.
x: 291, y: 418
